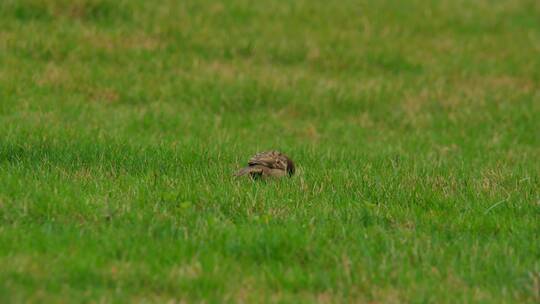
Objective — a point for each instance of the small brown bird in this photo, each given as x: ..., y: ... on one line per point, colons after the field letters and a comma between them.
x: 268, y: 164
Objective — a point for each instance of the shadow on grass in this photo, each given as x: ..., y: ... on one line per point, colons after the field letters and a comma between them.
x: 114, y: 157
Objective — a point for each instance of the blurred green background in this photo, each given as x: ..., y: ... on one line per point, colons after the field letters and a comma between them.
x: 415, y: 126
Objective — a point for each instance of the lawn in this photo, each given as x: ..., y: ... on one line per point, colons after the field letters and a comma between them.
x: 415, y: 126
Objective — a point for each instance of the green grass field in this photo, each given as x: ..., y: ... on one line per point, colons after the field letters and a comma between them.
x: 415, y: 126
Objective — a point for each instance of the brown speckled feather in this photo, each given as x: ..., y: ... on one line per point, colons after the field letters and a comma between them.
x: 268, y: 164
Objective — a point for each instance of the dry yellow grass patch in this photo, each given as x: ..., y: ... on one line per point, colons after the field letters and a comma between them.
x: 52, y: 75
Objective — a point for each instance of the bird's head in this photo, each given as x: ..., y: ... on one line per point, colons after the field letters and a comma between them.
x: 290, y: 167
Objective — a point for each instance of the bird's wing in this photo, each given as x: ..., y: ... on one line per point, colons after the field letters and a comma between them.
x: 250, y: 170
x: 269, y: 159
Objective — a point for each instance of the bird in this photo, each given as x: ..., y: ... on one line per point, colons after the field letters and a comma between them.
x: 268, y: 164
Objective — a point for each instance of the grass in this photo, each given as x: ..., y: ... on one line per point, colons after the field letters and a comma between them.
x: 414, y: 124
